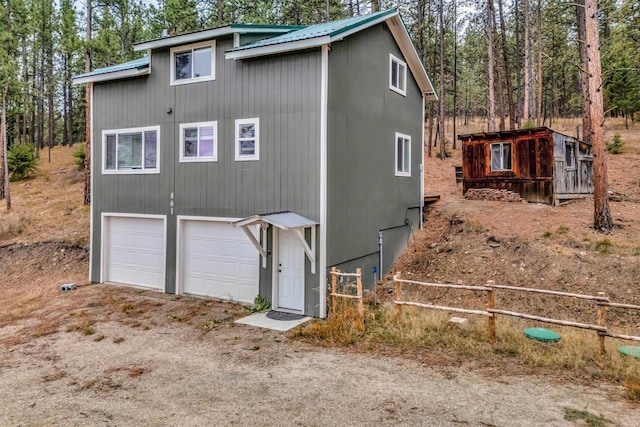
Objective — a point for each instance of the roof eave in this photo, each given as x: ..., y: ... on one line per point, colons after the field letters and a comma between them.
x: 207, y: 35
x: 278, y: 48
x: 399, y: 31
x: 122, y: 74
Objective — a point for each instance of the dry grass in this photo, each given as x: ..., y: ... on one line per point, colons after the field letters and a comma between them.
x: 423, y: 334
x: 49, y: 204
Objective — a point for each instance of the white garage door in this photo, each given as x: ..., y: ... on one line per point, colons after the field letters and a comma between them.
x: 134, y: 251
x: 218, y: 260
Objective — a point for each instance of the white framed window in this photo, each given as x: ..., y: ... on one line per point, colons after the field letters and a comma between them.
x: 397, y: 75
x: 501, y: 156
x: 247, y: 139
x: 199, y: 142
x: 403, y: 155
x: 193, y: 63
x: 131, y: 151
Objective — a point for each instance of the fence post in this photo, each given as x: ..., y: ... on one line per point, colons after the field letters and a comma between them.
x: 334, y: 290
x: 602, y: 314
x: 396, y: 279
x: 360, y: 322
x: 491, y: 304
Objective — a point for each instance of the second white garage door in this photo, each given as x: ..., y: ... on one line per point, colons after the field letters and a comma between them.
x: 217, y: 260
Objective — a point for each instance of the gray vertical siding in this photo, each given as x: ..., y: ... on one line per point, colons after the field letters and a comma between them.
x: 283, y: 92
x: 364, y: 195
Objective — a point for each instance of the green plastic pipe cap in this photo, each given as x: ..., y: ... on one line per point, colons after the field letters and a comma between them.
x: 542, y: 334
x: 630, y: 350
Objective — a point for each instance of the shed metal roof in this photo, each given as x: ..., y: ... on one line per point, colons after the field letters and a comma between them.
x: 282, y: 220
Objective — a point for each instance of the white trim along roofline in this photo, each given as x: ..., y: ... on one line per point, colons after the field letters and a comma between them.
x: 132, y: 72
x: 206, y: 35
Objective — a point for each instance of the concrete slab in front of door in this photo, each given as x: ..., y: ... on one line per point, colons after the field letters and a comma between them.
x: 261, y: 320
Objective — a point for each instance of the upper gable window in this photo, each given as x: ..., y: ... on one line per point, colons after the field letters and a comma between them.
x: 193, y: 63
x: 131, y: 151
x: 247, y: 139
x: 397, y: 75
x: 199, y: 142
x: 403, y: 155
x: 501, y: 156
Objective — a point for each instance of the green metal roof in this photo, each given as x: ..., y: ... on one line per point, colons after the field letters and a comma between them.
x: 136, y: 64
x: 330, y: 29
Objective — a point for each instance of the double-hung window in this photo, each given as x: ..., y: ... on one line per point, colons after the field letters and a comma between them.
x: 403, y: 155
x: 199, y: 142
x: 193, y: 63
x: 397, y: 75
x: 131, y: 150
x: 247, y: 139
x: 501, y: 156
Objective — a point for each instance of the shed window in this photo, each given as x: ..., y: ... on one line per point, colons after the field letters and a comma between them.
x: 500, y: 156
x: 403, y: 155
x: 131, y: 150
x: 199, y: 142
x: 247, y: 139
x: 193, y: 63
x: 397, y: 75
x: 570, y: 154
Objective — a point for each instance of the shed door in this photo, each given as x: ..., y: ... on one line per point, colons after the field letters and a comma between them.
x: 218, y: 260
x: 290, y: 272
x: 134, y: 251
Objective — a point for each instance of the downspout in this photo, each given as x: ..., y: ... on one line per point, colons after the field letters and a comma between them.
x: 420, y: 215
x: 380, y: 239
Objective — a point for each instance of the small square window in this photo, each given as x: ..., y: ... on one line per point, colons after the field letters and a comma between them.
x: 193, y: 63
x: 501, y: 156
x: 247, y: 139
x: 397, y: 75
x: 403, y: 155
x: 198, y: 142
x: 131, y: 150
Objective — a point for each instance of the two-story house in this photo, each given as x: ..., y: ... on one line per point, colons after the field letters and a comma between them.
x: 250, y: 159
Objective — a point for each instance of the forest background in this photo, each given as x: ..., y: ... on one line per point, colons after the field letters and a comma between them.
x: 515, y: 63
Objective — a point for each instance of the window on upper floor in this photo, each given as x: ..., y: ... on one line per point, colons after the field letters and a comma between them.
x: 403, y: 155
x: 193, y: 63
x: 501, y: 156
x: 247, y: 139
x: 199, y: 142
x: 397, y: 75
x: 131, y: 151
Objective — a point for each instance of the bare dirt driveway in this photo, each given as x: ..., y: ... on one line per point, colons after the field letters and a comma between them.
x: 104, y: 355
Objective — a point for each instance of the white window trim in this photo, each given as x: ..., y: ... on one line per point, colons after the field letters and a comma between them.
x: 192, y: 47
x: 401, y: 91
x: 212, y: 158
x: 395, y: 165
x: 106, y: 171
x: 256, y: 155
x: 502, y: 168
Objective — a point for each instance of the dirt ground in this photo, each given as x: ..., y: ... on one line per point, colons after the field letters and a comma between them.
x: 107, y: 355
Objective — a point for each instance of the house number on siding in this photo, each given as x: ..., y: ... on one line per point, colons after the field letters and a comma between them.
x: 171, y: 197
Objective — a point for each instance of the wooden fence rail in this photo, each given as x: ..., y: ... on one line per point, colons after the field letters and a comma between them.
x: 601, y: 300
x: 335, y: 274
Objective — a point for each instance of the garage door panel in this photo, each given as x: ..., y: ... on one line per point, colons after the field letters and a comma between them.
x: 134, y: 252
x: 218, y: 260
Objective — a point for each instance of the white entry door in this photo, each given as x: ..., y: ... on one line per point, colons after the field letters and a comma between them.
x: 290, y: 272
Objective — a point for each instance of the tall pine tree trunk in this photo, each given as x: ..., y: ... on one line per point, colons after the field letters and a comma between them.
x: 88, y: 87
x: 584, y: 70
x: 601, y: 212
x: 491, y: 98
x: 3, y: 132
x: 507, y: 68
x: 527, y: 104
x: 539, y: 29
x: 442, y: 94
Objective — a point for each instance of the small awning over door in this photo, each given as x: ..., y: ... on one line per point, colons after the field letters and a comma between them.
x: 285, y: 221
